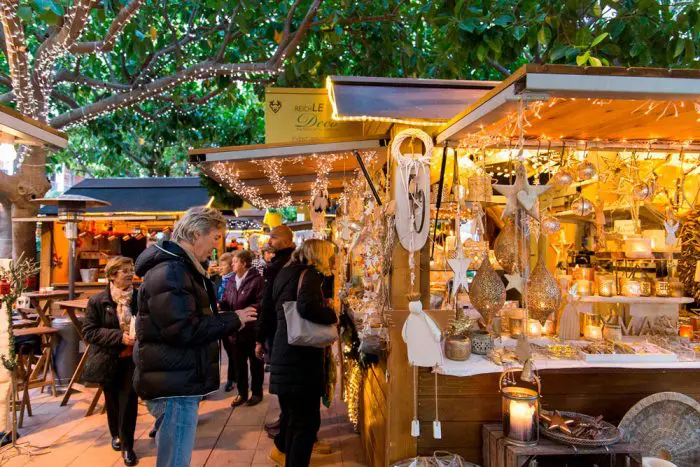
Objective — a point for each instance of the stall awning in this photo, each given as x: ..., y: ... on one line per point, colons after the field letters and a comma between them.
x: 20, y: 129
x: 422, y: 102
x: 603, y: 105
x: 285, y: 174
x: 141, y: 195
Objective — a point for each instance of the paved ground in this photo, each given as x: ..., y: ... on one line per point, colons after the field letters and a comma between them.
x: 62, y: 436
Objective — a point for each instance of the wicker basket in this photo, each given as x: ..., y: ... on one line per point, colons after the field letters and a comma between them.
x: 611, y: 434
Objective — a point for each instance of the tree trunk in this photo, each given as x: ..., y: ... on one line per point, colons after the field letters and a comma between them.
x: 5, y: 228
x: 29, y: 184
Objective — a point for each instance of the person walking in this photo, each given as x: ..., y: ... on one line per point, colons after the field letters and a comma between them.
x: 178, y: 327
x: 297, y: 373
x: 225, y: 273
x: 282, y: 242
x: 107, y: 328
x: 245, y: 291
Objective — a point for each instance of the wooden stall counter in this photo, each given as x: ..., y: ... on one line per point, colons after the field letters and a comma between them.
x: 87, y: 289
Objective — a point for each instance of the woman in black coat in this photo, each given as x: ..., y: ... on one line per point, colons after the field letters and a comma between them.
x: 107, y: 328
x: 297, y: 373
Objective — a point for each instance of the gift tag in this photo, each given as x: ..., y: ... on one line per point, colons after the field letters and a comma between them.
x: 415, y: 428
x: 437, y: 429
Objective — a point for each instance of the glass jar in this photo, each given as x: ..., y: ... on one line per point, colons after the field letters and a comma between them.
x: 662, y: 288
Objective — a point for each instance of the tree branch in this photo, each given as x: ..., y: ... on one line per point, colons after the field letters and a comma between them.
x: 64, y: 75
x: 16, y: 54
x: 228, y: 37
x: 117, y: 26
x: 500, y: 68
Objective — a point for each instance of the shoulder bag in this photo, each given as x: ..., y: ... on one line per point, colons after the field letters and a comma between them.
x: 303, y: 332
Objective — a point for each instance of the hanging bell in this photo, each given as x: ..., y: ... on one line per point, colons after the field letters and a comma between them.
x: 562, y: 179
x: 550, y: 225
x: 582, y: 207
x: 642, y: 192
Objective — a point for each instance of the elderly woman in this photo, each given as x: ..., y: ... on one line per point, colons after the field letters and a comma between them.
x: 177, y: 331
x: 244, y: 291
x: 107, y: 328
x: 297, y: 373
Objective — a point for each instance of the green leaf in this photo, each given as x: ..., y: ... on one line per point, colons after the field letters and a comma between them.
x: 689, y: 50
x: 519, y: 32
x: 458, y: 7
x: 558, y: 52
x: 583, y: 37
x: 503, y: 20
x: 617, y: 26
x: 25, y: 12
x: 594, y: 61
x: 544, y: 35
x: 582, y: 59
x: 599, y: 39
x: 469, y: 24
x: 481, y: 52
x: 680, y: 47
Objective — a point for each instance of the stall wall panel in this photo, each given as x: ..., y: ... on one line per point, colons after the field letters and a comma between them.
x: 467, y: 403
x: 373, y: 416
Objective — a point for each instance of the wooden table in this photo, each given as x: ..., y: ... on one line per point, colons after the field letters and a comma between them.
x: 48, y: 298
x: 43, y: 365
x: 75, y: 309
x: 498, y: 452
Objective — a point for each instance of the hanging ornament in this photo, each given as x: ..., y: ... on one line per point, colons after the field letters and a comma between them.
x: 487, y: 292
x: 505, y: 247
x: 562, y: 179
x: 319, y: 203
x: 521, y: 194
x: 459, y: 191
x: 585, y: 171
x: 642, y: 192
x: 582, y: 206
x: 543, y: 293
x: 515, y: 281
x: 671, y: 226
x: 550, y: 225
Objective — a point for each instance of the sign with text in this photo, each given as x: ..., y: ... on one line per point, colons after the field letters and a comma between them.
x: 298, y: 115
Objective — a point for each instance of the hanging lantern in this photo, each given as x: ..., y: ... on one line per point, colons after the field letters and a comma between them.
x: 562, y: 179
x: 585, y: 171
x: 543, y: 292
x: 642, y: 192
x: 487, y: 292
x: 520, y: 411
x: 582, y: 206
x: 505, y: 248
x: 480, y: 188
x: 550, y: 225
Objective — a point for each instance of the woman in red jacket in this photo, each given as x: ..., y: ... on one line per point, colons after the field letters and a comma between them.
x: 245, y: 290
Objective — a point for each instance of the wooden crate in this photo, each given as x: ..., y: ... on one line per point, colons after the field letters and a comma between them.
x: 497, y: 452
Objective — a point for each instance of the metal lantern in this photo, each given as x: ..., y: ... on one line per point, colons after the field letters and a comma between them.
x: 520, y: 409
x: 71, y: 210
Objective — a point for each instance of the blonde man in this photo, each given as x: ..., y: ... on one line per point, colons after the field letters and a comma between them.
x: 177, y: 329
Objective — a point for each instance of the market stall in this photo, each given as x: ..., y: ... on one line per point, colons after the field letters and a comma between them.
x: 140, y: 211
x: 577, y: 264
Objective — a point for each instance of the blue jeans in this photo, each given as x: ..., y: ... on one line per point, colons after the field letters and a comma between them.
x: 177, y: 429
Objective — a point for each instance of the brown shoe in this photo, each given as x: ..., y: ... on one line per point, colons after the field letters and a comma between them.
x: 254, y: 400
x: 238, y: 401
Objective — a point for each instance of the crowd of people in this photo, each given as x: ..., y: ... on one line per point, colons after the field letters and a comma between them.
x: 162, y: 343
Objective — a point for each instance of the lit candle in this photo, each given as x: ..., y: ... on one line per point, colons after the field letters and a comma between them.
x: 521, y: 420
x: 686, y: 330
x: 534, y: 328
x: 583, y: 287
x: 605, y: 288
x: 592, y: 332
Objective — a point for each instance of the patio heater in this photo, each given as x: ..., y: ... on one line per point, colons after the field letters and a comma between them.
x: 71, y: 210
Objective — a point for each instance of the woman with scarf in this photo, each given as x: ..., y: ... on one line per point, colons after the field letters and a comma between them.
x: 107, y: 328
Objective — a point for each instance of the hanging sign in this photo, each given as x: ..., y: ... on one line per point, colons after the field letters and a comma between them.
x: 298, y: 115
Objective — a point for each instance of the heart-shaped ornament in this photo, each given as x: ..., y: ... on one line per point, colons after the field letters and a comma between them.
x: 527, y: 200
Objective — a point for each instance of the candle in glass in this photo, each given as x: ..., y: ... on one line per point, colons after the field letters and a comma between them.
x: 583, y: 287
x: 606, y: 288
x: 686, y: 330
x: 521, y: 420
x: 534, y: 328
x: 592, y: 332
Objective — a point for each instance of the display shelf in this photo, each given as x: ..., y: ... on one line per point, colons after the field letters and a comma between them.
x: 636, y: 300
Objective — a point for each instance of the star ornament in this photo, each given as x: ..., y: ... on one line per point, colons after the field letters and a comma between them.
x: 460, y: 266
x: 515, y: 281
x: 555, y: 421
x: 522, y: 194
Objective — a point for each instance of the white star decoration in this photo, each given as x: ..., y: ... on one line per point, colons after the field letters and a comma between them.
x: 460, y: 266
x: 515, y: 281
x: 521, y: 193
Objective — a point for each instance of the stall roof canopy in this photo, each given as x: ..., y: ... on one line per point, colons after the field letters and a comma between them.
x: 593, y: 104
x: 402, y: 100
x: 141, y: 195
x: 20, y: 129
x: 283, y: 174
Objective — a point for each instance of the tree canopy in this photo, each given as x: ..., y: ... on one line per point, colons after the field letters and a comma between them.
x: 177, y: 39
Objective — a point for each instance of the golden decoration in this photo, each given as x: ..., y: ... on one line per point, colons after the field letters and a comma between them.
x: 505, y: 248
x: 562, y: 179
x: 585, y: 171
x: 543, y: 293
x: 555, y: 421
x: 487, y: 292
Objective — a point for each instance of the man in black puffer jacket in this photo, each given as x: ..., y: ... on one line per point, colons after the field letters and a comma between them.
x: 177, y: 331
